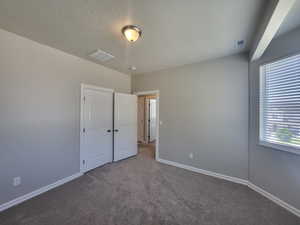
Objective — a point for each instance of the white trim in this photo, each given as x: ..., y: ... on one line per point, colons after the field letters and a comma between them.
x: 93, y: 87
x: 155, y: 92
x: 261, y: 135
x: 205, y: 172
x: 37, y: 192
x: 146, y: 122
x: 275, y: 199
x: 252, y: 186
x: 280, y: 147
x: 271, y: 23
x: 84, y: 87
x: 262, y: 88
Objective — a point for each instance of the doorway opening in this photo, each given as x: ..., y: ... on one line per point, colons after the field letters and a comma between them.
x: 148, y: 122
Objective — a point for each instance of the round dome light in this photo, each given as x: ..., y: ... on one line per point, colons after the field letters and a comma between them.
x: 131, y: 32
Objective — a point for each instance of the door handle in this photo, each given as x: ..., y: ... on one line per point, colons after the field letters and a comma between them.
x: 108, y: 131
x: 116, y: 130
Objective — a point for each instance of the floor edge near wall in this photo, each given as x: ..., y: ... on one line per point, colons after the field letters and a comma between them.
x: 205, y: 172
x: 37, y: 192
x: 275, y: 199
x: 252, y: 186
x: 259, y: 190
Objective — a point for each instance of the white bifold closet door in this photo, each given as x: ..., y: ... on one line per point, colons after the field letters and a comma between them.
x: 125, y: 126
x: 97, y: 128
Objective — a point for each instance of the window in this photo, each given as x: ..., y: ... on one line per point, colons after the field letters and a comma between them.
x: 280, y: 104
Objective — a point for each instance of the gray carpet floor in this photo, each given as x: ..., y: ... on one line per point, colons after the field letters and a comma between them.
x: 141, y: 191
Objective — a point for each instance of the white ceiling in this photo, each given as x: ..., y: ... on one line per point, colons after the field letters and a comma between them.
x: 175, y: 32
x: 292, y: 21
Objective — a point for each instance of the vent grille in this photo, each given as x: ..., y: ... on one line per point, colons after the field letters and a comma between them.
x: 101, y: 56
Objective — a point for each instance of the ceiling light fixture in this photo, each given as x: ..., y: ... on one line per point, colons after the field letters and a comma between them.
x: 131, y: 32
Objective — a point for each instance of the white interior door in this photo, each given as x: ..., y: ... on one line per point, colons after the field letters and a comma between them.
x: 125, y: 126
x: 152, y: 117
x: 96, y: 127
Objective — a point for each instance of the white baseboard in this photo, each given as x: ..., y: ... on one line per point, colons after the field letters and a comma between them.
x: 275, y: 199
x: 205, y: 172
x: 37, y: 192
x: 259, y: 190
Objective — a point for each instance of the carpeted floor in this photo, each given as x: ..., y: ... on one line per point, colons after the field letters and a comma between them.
x: 140, y: 191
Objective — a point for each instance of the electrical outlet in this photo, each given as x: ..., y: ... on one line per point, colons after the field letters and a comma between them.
x: 17, y: 181
x: 191, y: 155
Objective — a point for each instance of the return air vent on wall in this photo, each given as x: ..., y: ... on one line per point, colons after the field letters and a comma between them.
x: 101, y: 56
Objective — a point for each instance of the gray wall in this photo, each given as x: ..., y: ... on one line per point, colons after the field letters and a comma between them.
x: 275, y: 171
x: 204, y: 110
x: 39, y: 112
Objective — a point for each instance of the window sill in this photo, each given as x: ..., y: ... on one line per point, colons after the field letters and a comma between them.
x: 280, y: 147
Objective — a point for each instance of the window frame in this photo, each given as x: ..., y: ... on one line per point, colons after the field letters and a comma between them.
x: 261, y: 141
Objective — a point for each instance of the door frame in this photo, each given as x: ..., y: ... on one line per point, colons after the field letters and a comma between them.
x: 82, y: 99
x: 149, y: 116
x: 153, y: 92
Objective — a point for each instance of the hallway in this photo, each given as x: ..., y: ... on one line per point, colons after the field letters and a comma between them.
x: 147, y: 150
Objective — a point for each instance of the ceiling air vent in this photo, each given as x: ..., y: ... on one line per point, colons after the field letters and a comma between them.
x: 101, y: 56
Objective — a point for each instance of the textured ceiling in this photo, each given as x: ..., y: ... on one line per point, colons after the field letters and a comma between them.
x: 175, y: 32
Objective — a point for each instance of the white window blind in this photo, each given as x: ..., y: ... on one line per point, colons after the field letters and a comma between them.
x: 280, y: 102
